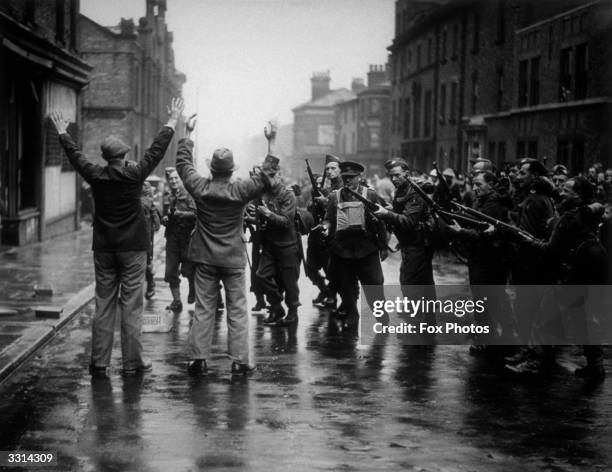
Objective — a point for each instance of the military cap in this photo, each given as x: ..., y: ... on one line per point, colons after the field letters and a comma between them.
x: 113, y: 148
x: 222, y: 161
x: 331, y: 158
x: 398, y: 161
x: 350, y: 168
x: 270, y: 163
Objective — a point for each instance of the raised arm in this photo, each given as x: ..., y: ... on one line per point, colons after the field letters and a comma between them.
x: 156, y: 152
x: 81, y: 164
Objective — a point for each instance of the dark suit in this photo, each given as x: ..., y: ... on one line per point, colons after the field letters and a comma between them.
x: 120, y: 243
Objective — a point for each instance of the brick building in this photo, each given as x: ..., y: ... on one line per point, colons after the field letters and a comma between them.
x: 41, y: 71
x: 314, y: 124
x: 133, y: 81
x: 485, y: 78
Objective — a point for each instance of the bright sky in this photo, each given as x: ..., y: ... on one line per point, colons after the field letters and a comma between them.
x: 248, y: 61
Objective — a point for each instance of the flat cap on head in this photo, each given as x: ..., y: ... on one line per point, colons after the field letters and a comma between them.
x: 331, y: 158
x: 222, y: 161
x: 113, y: 148
x: 397, y: 161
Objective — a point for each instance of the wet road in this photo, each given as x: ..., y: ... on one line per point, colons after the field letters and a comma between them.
x: 318, y: 402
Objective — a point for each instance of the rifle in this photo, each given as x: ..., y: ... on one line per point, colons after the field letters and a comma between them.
x: 500, y: 225
x: 445, y: 197
x: 447, y: 216
x: 316, y: 192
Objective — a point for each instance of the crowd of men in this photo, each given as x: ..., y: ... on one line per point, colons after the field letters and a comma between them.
x: 524, y: 224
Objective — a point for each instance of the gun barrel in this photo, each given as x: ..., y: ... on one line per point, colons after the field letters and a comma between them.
x: 493, y: 221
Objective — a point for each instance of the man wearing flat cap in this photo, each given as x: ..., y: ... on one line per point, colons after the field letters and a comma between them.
x: 217, y: 250
x: 355, y: 241
x: 120, y: 240
x: 279, y: 264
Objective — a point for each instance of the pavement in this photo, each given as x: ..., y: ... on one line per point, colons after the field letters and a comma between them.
x: 54, y: 278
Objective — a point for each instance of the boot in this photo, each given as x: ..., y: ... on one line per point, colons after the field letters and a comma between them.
x: 176, y: 304
x: 220, y: 304
x: 277, y: 312
x: 260, y: 305
x: 150, y: 293
x: 191, y: 294
x: 319, y: 301
x: 290, y: 319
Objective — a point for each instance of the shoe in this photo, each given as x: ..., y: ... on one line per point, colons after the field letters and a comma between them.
x: 477, y: 349
x: 98, y: 372
x: 146, y: 366
x: 320, y: 300
x: 175, y: 306
x: 591, y: 372
x: 197, y: 367
x: 289, y: 319
x: 220, y: 304
x: 191, y: 295
x: 517, y: 358
x: 259, y: 306
x: 150, y: 292
x: 242, y: 369
x: 277, y: 312
x: 528, y: 367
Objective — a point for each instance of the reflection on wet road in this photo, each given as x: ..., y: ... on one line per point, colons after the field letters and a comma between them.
x: 319, y: 401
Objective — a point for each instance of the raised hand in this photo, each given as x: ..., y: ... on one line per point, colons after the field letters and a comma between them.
x: 191, y: 123
x: 176, y: 110
x: 61, y: 125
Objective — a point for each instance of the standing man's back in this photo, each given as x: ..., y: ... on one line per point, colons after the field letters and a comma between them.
x: 218, y: 251
x: 120, y: 240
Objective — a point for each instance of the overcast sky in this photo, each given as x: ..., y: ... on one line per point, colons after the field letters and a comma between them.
x: 251, y: 60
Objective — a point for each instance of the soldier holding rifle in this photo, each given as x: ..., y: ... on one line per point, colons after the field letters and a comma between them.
x: 354, y: 242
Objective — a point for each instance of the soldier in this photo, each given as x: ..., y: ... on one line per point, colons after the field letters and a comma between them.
x: 179, y: 219
x: 317, y: 255
x: 412, y: 224
x: 355, y: 241
x: 253, y: 223
x: 574, y: 242
x: 488, y: 258
x: 530, y: 268
x: 153, y: 223
x: 279, y: 264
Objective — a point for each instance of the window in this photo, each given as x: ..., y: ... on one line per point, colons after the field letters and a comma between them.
x: 59, y: 21
x: 453, y: 103
x: 418, y: 58
x: 501, y: 22
x: 534, y: 82
x: 476, y: 34
x: 443, y: 46
x: 500, y: 88
x: 74, y: 12
x: 429, y: 51
x: 520, y: 150
x: 442, y: 117
x: 407, y: 118
x: 581, y: 68
x: 427, y: 124
x: 565, y: 86
x: 474, y: 91
x: 501, y: 152
x: 455, y: 40
x: 522, y: 86
x: 491, y: 155
x: 416, y: 121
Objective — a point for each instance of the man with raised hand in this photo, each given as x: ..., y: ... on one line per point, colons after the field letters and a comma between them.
x: 120, y: 240
x: 217, y: 251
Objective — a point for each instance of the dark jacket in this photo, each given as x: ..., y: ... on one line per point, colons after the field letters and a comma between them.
x: 279, y: 227
x: 119, y: 220
x: 411, y: 218
x: 181, y: 212
x: 220, y: 204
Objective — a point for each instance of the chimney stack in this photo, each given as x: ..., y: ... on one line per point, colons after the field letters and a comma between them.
x: 377, y: 75
x: 320, y: 84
